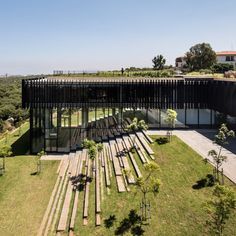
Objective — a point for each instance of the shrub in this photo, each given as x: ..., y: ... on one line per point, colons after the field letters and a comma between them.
x: 222, y: 67
x: 205, y: 71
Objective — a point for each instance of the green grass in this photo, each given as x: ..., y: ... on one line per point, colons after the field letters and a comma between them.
x: 177, y: 210
x: 24, y: 197
x: 18, y: 139
x: 14, y: 136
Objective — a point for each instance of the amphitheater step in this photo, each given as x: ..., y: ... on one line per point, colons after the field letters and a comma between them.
x: 66, y: 205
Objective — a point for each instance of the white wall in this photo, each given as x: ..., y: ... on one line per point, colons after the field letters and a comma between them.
x: 222, y: 59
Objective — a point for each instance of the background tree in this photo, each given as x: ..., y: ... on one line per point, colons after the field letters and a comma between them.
x: 200, y: 56
x: 221, y: 139
x: 10, y: 102
x: 149, y: 184
x: 171, y: 116
x: 1, y: 125
x: 158, y: 62
x: 5, y: 151
x: 135, y: 126
x: 38, y: 160
x: 220, y: 208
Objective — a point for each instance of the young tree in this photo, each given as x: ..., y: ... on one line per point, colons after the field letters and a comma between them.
x: 221, y: 139
x: 171, y: 116
x: 6, y: 137
x: 5, y: 151
x: 200, y: 56
x: 135, y: 126
x: 149, y: 184
x: 220, y: 208
x: 158, y: 62
x: 38, y: 160
x: 20, y: 124
x: 93, y: 149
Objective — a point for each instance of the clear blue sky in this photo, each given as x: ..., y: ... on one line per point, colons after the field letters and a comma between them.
x: 39, y: 36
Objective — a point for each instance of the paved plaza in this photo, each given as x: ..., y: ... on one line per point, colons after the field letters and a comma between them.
x: 201, y: 142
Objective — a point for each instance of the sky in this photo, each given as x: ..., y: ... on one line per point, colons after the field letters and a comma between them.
x: 39, y: 36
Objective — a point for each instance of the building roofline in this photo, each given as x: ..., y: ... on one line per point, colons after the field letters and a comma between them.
x: 226, y: 53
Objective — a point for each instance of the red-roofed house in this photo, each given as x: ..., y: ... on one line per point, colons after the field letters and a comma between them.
x: 226, y: 57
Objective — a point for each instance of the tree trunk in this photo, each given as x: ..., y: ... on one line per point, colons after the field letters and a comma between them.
x: 217, y: 173
x: 145, y: 206
x: 3, y: 164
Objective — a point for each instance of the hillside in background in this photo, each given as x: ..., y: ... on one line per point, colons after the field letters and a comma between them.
x: 11, y: 113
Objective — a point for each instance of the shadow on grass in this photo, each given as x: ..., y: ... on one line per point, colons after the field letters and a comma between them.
x: 21, y: 145
x: 79, y: 182
x: 109, y: 222
x: 162, y: 140
x: 34, y: 173
x: 205, y: 182
x: 132, y: 223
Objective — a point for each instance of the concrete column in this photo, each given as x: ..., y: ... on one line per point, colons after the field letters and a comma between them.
x: 47, y: 118
x: 84, y: 118
x: 113, y: 111
x: 59, y: 117
x: 120, y: 116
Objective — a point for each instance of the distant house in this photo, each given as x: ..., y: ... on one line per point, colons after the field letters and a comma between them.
x: 228, y: 57
x: 180, y: 62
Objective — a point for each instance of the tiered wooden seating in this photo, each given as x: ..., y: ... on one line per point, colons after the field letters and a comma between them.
x: 145, y: 144
x: 97, y: 193
x: 128, y: 120
x: 66, y: 205
x: 106, y: 169
x: 76, y: 199
x: 75, y: 136
x: 147, y: 136
x: 135, y: 165
x: 130, y: 177
x: 86, y: 195
x: 102, y: 158
x: 59, y: 167
x: 61, y: 197
x: 122, y: 148
x: 139, y: 149
x: 126, y: 142
x: 107, y: 150
x: 115, y: 159
x: 119, y: 151
x: 118, y: 172
x: 102, y: 180
x: 56, y: 199
x: 120, y: 184
x: 55, y: 192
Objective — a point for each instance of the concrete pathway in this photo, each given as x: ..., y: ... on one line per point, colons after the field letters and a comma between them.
x: 201, y: 142
x: 55, y: 157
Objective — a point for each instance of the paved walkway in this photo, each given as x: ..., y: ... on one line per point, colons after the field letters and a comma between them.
x: 201, y: 142
x: 55, y: 157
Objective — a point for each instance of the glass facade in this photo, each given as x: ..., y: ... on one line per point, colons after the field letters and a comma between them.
x: 65, y: 111
x: 63, y: 130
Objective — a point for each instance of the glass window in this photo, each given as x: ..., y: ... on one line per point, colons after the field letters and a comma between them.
x: 204, y: 117
x: 192, y: 117
x: 229, y: 58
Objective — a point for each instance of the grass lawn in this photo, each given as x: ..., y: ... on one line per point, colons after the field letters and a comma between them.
x: 177, y: 210
x: 24, y: 197
x: 14, y: 135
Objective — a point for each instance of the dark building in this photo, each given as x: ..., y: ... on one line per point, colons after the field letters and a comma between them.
x: 63, y: 111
